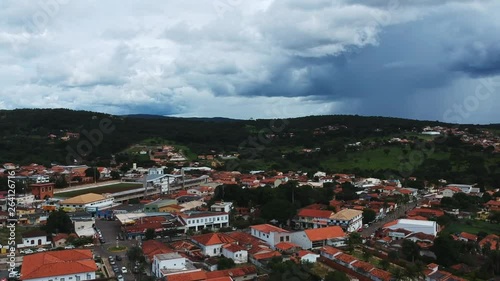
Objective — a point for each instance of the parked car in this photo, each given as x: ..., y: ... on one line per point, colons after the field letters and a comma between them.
x: 112, y: 262
x: 41, y: 250
x: 29, y: 251
x: 120, y: 278
x: 115, y: 269
x: 69, y: 247
x: 124, y: 269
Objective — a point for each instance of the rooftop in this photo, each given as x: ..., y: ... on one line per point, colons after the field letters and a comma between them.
x: 213, y: 239
x: 324, y: 233
x: 267, y: 228
x: 346, y: 214
x: 83, y: 199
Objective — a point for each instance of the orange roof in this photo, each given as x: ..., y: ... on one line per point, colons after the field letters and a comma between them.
x: 150, y: 248
x: 233, y: 248
x: 302, y: 253
x: 493, y: 239
x: 381, y: 274
x: 57, y: 263
x: 266, y: 255
x: 284, y: 246
x: 391, y: 223
x: 432, y: 265
x: 420, y: 218
x: 364, y: 266
x: 233, y: 272
x: 267, y: 228
x: 225, y: 278
x: 330, y: 250
x: 468, y: 236
x: 324, y: 233
x: 213, y: 239
x: 345, y: 258
x: 312, y: 213
x: 188, y: 276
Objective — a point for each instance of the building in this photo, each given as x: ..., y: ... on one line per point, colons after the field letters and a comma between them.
x: 84, y: 226
x: 42, y: 190
x: 350, y: 220
x: 310, y: 218
x: 270, y: 234
x: 65, y: 265
x: 199, y: 220
x: 159, y: 206
x: 211, y: 243
x: 320, y: 237
x: 89, y: 201
x: 150, y: 248
x: 221, y: 207
x: 412, y: 226
x: 169, y: 262
x: 35, y: 238
x: 235, y: 252
x: 307, y: 256
x: 244, y: 273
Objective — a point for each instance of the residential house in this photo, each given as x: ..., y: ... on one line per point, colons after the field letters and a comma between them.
x: 169, y: 263
x: 329, y: 252
x: 307, y: 256
x: 311, y: 218
x: 350, y: 220
x: 493, y: 205
x: 467, y: 237
x: 150, y: 248
x: 235, y: 252
x: 320, y: 237
x: 491, y: 240
x: 244, y: 273
x: 211, y: 244
x: 271, y: 234
x: 65, y: 265
x: 221, y: 207
x: 34, y: 238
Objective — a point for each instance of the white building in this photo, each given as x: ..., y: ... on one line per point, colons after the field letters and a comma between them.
x: 465, y: 188
x: 270, y: 234
x: 199, y: 220
x: 34, y: 238
x: 25, y: 200
x: 65, y: 265
x: 350, y: 220
x: 307, y: 256
x: 211, y: 243
x: 168, y: 262
x: 221, y: 207
x: 84, y: 227
x: 320, y: 237
x: 235, y: 252
x: 415, y: 226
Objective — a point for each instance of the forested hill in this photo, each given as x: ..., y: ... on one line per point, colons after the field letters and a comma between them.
x: 34, y: 135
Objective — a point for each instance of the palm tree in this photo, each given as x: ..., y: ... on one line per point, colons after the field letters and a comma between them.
x: 398, y: 274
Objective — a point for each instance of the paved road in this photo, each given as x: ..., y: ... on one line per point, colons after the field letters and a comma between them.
x: 399, y: 212
x: 110, y: 230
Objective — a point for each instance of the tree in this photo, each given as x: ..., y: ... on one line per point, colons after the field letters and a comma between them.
x: 60, y: 182
x: 336, y: 276
x: 446, y: 250
x: 115, y: 175
x: 149, y: 234
x: 278, y: 209
x: 369, y: 215
x: 135, y: 254
x: 225, y: 263
x: 366, y: 254
x: 93, y: 172
x: 494, y: 216
x: 384, y: 264
x: 393, y: 255
x: 411, y: 250
x: 59, y: 222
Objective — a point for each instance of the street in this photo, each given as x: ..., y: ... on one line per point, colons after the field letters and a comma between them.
x: 110, y: 230
x: 399, y: 212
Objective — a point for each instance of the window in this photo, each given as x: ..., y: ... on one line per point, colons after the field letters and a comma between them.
x: 89, y: 276
x: 215, y: 251
x: 282, y: 239
x: 61, y: 279
x: 77, y: 277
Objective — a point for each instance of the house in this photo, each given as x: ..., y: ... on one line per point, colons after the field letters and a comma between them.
x: 221, y: 207
x: 320, y: 237
x: 87, y: 201
x: 307, y: 256
x: 168, y: 263
x: 329, y: 252
x: 159, y: 206
x: 243, y: 273
x: 59, y: 265
x: 42, y: 190
x: 60, y: 239
x: 211, y: 243
x: 493, y: 205
x: 200, y: 220
x: 450, y: 191
x: 492, y: 240
x: 467, y: 237
x: 362, y: 267
x: 350, y: 220
x: 235, y: 252
x: 34, y: 238
x: 312, y: 218
x: 270, y: 234
x: 150, y: 248
x: 425, y: 212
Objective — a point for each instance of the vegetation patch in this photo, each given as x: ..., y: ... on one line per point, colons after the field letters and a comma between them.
x: 100, y: 189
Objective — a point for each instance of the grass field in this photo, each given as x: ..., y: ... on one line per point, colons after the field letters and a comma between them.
x: 4, y: 234
x: 100, y: 189
x: 472, y: 226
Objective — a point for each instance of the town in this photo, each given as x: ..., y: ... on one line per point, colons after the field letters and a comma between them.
x: 196, y: 223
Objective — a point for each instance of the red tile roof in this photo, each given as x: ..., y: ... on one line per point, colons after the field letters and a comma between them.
x: 150, y: 248
x: 330, y: 250
x: 233, y: 272
x: 266, y: 255
x: 267, y: 228
x: 381, y: 274
x: 492, y: 239
x: 284, y: 246
x: 233, y: 248
x: 188, y: 276
x: 57, y: 263
x: 345, y: 258
x: 364, y: 266
x: 302, y: 253
x: 324, y: 233
x: 468, y: 236
x: 213, y: 239
x: 312, y: 213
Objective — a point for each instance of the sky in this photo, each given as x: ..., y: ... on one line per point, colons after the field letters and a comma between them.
x: 419, y: 59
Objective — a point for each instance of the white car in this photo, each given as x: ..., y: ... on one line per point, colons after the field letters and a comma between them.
x: 41, y: 250
x: 120, y: 278
x: 29, y: 251
x: 124, y: 270
x: 69, y: 247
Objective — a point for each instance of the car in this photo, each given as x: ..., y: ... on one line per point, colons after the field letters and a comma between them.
x: 29, y: 251
x: 120, y: 277
x: 112, y: 262
x: 110, y: 258
x: 115, y: 269
x: 135, y: 269
x: 124, y: 269
x: 118, y: 258
x: 41, y: 250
